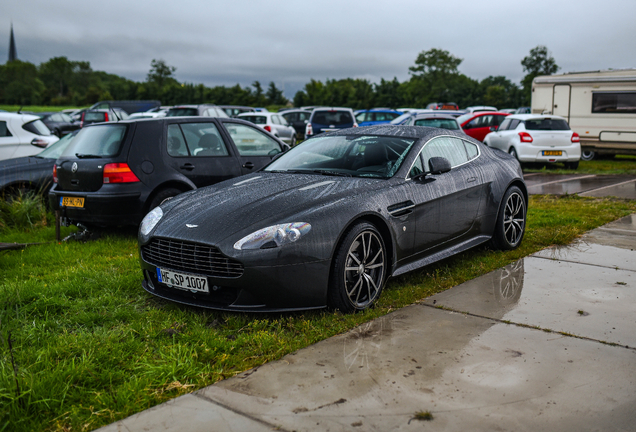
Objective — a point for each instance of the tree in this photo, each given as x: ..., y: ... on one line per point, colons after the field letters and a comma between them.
x: 539, y: 62
x: 433, y: 76
x: 160, y: 73
x: 19, y: 83
x: 275, y: 95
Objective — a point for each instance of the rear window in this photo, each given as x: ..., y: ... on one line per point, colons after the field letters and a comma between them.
x: 336, y: 118
x: 546, y: 124
x: 256, y: 119
x: 36, y: 127
x: 94, y: 117
x: 182, y: 112
x: 438, y: 123
x: 98, y: 141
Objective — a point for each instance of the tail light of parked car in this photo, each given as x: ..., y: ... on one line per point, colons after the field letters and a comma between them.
x: 38, y: 142
x: 54, y: 173
x: 575, y: 138
x: 119, y: 173
x: 525, y: 137
x: 268, y: 128
x: 355, y: 124
x: 309, y: 130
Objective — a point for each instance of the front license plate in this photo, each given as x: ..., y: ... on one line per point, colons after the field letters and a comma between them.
x: 182, y: 280
x: 71, y: 202
x: 551, y: 152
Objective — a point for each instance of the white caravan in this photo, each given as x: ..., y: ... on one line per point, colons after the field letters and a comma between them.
x: 600, y: 106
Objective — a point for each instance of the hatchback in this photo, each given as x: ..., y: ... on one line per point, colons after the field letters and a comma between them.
x: 537, y: 138
x: 441, y: 121
x: 23, y: 135
x: 114, y: 173
x: 298, y: 119
x: 480, y: 124
x: 329, y: 119
x: 273, y: 123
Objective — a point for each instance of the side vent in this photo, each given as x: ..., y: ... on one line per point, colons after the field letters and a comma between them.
x: 401, y: 209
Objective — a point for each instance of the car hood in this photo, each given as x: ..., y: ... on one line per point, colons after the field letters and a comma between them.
x: 22, y: 163
x: 252, y: 202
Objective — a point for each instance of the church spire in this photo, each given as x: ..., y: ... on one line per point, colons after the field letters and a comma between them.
x: 13, y: 53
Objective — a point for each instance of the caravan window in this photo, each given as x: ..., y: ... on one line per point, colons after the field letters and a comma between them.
x: 614, y: 102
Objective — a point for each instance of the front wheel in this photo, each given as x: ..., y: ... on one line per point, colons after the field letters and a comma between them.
x: 358, y: 269
x: 511, y: 220
x: 588, y: 155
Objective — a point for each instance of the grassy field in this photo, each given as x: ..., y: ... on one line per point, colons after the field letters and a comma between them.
x: 35, y: 108
x: 88, y: 346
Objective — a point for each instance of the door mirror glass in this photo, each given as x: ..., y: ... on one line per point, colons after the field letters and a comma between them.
x: 439, y: 165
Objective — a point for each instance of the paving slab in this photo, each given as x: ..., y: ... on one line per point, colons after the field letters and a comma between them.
x: 625, y: 189
x: 575, y: 184
x: 620, y: 233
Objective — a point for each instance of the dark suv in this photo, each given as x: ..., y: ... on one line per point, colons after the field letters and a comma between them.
x: 329, y: 119
x: 114, y: 173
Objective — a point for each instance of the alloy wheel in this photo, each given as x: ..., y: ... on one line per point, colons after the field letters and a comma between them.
x: 514, y: 218
x: 364, y: 269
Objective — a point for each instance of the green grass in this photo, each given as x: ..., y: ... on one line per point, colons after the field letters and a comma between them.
x: 620, y: 164
x: 91, y: 347
x: 35, y: 108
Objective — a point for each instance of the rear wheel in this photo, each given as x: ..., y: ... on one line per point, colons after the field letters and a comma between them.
x: 162, y: 196
x: 359, y: 269
x: 588, y: 155
x: 511, y: 220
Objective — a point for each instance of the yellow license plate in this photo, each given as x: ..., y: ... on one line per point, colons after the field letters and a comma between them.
x: 551, y: 152
x: 72, y: 202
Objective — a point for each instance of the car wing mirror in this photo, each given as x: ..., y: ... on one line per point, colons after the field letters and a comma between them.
x: 438, y: 165
x: 493, y: 128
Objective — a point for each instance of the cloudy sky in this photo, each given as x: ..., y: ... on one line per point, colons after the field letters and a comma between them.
x: 239, y: 41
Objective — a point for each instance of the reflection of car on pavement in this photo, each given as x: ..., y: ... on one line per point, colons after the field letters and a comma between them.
x: 23, y: 135
x: 113, y: 173
x: 537, y: 138
x: 331, y: 219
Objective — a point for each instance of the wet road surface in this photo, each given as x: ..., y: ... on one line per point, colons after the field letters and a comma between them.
x: 546, y: 343
x: 621, y: 186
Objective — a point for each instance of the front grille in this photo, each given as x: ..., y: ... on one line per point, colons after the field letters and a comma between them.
x: 190, y: 257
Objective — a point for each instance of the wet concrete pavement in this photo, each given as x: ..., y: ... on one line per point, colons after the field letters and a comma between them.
x: 621, y: 186
x: 546, y: 343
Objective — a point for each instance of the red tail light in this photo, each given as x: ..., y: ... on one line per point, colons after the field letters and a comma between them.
x: 355, y: 124
x: 119, y: 173
x: 82, y: 120
x: 309, y: 130
x: 525, y: 137
x: 575, y: 138
x: 54, y: 173
x: 268, y: 128
x: 105, y: 116
x: 39, y: 142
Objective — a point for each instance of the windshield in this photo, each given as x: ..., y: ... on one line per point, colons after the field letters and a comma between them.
x: 56, y: 149
x: 357, y: 156
x: 256, y: 119
x: 438, y: 123
x: 97, y: 141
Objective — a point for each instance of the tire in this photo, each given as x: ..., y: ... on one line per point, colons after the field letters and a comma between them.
x: 511, y: 220
x: 572, y: 165
x: 588, y: 155
x: 358, y: 270
x: 513, y: 153
x: 162, y: 196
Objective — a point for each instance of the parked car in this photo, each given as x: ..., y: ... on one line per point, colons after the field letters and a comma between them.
x: 23, y: 135
x: 474, y: 109
x: 129, y: 106
x: 298, y: 119
x: 32, y: 173
x: 58, y: 123
x: 442, y: 121
x: 114, y: 173
x: 273, y: 123
x: 375, y: 116
x: 235, y: 110
x: 205, y: 110
x: 480, y: 124
x: 443, y: 106
x: 328, y: 222
x: 508, y: 110
x: 329, y: 119
x: 537, y: 138
x: 523, y: 110
x: 102, y: 115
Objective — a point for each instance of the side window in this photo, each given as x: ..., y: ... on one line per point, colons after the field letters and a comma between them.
x: 176, y: 142
x: 361, y: 117
x: 447, y: 147
x: 4, y: 130
x: 498, y: 119
x: 381, y: 117
x: 303, y: 116
x: 252, y: 142
x: 504, y: 126
x: 275, y: 119
x: 513, y: 124
x: 471, y: 150
x: 487, y: 121
x: 203, y: 139
x: 474, y: 123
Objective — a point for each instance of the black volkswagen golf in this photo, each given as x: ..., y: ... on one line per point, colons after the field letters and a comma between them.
x: 114, y: 173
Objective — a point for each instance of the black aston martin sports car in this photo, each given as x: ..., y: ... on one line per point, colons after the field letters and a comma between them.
x: 327, y: 222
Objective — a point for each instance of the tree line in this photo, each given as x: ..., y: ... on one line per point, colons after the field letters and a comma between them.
x: 434, y: 77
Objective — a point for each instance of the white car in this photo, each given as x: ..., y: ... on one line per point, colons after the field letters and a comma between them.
x: 473, y: 109
x: 273, y: 123
x: 537, y: 138
x: 23, y: 135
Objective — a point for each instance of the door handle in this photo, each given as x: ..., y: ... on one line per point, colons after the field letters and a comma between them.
x: 187, y: 166
x: 248, y: 165
x: 471, y: 179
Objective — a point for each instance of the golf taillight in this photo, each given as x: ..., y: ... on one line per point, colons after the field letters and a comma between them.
x: 575, y: 138
x: 119, y: 173
x: 268, y: 128
x: 525, y: 137
x: 309, y: 130
x: 38, y: 142
x: 54, y: 173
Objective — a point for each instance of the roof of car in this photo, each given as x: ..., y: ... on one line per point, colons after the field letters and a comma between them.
x: 534, y: 116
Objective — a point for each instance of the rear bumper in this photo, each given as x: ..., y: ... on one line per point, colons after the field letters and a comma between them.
x: 105, y: 207
x: 532, y: 153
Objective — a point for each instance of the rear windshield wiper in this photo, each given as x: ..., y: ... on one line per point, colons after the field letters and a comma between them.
x: 87, y: 156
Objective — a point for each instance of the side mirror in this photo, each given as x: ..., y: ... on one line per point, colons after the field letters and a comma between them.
x: 438, y: 165
x: 493, y: 128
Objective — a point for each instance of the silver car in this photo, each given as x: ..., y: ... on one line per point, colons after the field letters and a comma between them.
x: 273, y: 123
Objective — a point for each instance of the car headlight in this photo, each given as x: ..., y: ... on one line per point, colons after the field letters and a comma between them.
x: 273, y: 236
x: 150, y: 221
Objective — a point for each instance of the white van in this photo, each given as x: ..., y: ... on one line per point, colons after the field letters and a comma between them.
x: 600, y: 106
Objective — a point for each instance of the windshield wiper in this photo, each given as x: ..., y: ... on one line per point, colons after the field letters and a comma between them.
x: 87, y: 156
x: 331, y: 173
